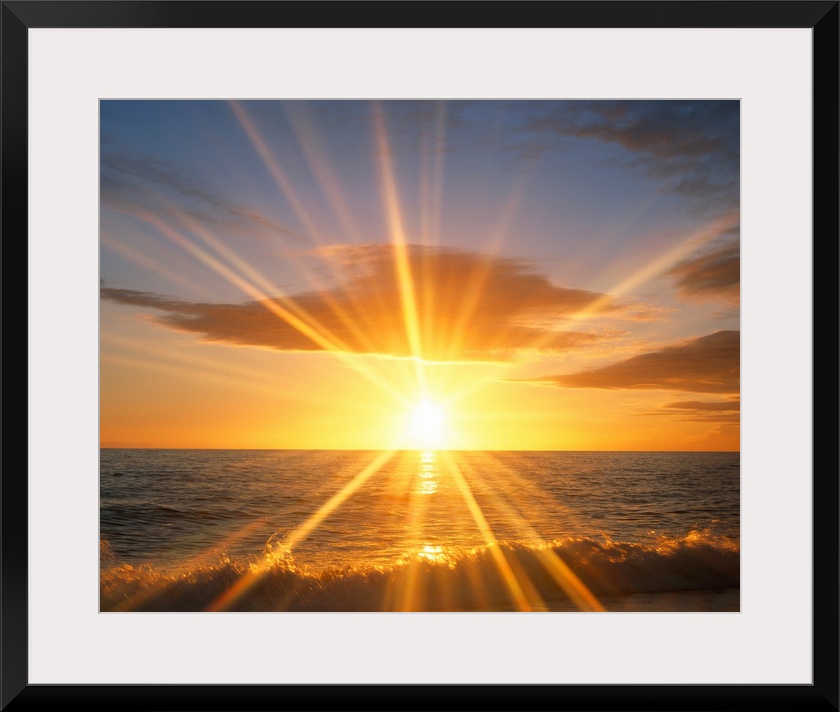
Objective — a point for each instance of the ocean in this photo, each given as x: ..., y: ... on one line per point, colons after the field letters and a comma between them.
x: 346, y: 531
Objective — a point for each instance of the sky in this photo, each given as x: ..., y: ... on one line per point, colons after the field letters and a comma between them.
x: 496, y: 275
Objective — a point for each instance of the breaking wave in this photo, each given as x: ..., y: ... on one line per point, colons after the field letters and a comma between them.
x: 435, y: 580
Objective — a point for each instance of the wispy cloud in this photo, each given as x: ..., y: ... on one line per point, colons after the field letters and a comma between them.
x: 714, y: 273
x: 727, y: 411
x: 121, y: 172
x: 692, y: 146
x: 666, y: 129
x: 469, y: 307
x: 708, y: 364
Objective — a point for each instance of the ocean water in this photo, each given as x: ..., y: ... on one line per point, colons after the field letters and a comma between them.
x: 280, y: 530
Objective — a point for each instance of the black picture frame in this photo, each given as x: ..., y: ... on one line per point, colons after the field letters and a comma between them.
x: 18, y: 16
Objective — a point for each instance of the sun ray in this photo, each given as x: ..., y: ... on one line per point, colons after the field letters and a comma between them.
x: 282, y: 181
x: 187, y: 567
x: 286, y: 188
x: 515, y: 586
x: 268, y: 287
x: 308, y: 140
x: 405, y: 278
x: 526, y: 493
x: 410, y: 591
x: 247, y: 581
x: 405, y: 587
x: 281, y: 306
x: 575, y: 589
x: 658, y: 266
x: 691, y: 242
x: 304, y: 530
x: 431, y: 188
x: 144, y: 260
x: 475, y: 282
x: 433, y: 184
x: 142, y: 352
x: 600, y: 305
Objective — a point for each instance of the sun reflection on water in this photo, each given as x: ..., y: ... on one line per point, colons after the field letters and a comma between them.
x: 428, y: 473
x: 432, y: 553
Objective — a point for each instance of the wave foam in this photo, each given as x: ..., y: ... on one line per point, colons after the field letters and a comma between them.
x: 480, y: 580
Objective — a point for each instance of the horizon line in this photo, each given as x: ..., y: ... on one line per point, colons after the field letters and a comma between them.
x: 326, y: 449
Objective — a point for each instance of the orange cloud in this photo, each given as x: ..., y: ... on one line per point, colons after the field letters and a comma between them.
x: 469, y: 307
x: 715, y: 273
x: 707, y: 364
x: 727, y: 411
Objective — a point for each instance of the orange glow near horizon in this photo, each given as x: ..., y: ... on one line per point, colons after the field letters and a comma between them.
x: 533, y: 418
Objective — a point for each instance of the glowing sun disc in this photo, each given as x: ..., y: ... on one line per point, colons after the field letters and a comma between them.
x: 427, y: 422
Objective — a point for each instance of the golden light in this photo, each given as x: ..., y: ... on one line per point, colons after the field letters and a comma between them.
x: 427, y: 425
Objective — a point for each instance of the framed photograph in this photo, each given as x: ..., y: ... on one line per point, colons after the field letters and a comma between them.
x: 395, y: 366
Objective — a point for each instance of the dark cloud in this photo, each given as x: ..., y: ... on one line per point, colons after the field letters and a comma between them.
x: 692, y: 146
x: 668, y: 129
x: 715, y: 273
x: 708, y: 364
x: 468, y: 306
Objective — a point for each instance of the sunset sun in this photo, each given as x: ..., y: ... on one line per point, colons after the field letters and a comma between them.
x: 427, y: 424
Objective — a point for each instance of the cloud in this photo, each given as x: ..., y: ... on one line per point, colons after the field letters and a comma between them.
x: 728, y: 411
x: 667, y: 129
x: 119, y: 174
x: 728, y: 405
x: 692, y: 146
x: 707, y: 364
x: 468, y: 307
x: 714, y: 273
